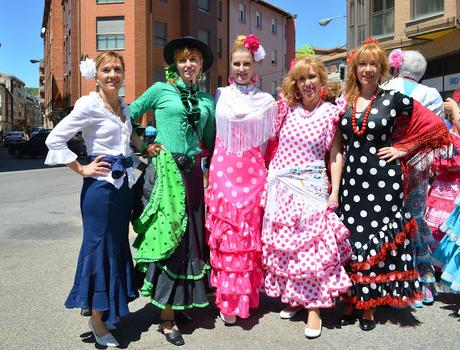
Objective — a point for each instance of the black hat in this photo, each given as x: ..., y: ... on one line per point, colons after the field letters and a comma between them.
x: 191, y: 43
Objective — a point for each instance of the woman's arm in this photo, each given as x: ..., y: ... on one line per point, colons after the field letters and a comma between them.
x: 336, y: 156
x: 95, y: 168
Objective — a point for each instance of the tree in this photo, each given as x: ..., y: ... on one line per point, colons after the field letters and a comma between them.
x: 306, y: 50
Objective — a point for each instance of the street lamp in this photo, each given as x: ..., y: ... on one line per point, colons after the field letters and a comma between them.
x: 34, y: 61
x: 325, y: 21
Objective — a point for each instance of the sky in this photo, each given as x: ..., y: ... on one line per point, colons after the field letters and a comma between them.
x: 21, y: 22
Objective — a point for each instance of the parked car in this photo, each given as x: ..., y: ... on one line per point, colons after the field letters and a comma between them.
x: 36, y: 130
x: 15, y: 137
x: 36, y: 147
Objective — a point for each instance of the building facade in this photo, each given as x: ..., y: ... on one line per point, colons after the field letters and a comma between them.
x: 139, y: 29
x: 14, y: 99
x: 429, y: 26
x: 276, y: 30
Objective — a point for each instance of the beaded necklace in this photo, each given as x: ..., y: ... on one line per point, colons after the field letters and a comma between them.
x: 109, y: 107
x: 354, y: 124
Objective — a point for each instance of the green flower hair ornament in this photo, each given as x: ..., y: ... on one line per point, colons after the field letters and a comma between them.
x: 306, y: 50
x: 171, y: 72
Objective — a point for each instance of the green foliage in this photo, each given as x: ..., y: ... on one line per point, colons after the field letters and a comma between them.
x: 306, y: 50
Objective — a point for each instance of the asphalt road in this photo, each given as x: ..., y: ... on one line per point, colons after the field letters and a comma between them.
x: 40, y: 235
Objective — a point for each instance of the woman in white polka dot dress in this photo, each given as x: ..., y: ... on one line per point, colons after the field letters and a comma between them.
x: 371, y: 197
x: 244, y: 120
x: 305, y: 243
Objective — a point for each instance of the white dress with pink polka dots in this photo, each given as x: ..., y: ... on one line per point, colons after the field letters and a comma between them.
x: 234, y: 218
x: 304, y: 242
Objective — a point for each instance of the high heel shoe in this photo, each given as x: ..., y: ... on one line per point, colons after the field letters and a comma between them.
x: 174, y: 336
x: 366, y: 325
x: 228, y: 319
x: 312, y: 333
x: 288, y: 312
x: 346, y: 320
x: 105, y: 340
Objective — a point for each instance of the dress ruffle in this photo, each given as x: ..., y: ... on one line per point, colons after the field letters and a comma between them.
x: 447, y: 254
x: 306, y: 267
x: 236, y: 250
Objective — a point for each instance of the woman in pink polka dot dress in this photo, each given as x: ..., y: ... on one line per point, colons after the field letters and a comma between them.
x: 245, y: 122
x: 305, y: 243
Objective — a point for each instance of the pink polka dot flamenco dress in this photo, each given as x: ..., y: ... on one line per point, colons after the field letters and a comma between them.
x: 305, y: 245
x: 245, y: 122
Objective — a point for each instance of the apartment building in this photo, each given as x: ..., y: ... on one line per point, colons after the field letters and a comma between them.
x: 429, y: 26
x: 276, y: 30
x: 139, y: 29
x: 13, y: 102
x: 333, y: 58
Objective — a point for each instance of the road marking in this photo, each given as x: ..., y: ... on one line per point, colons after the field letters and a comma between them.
x: 31, y: 171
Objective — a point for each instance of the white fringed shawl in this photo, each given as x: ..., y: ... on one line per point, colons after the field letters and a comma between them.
x: 244, y: 121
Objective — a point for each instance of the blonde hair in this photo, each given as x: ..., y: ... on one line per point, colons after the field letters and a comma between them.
x: 301, y: 67
x: 109, y: 56
x: 352, y: 84
x: 238, y: 45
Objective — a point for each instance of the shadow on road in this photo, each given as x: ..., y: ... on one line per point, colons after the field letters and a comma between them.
x: 9, y: 163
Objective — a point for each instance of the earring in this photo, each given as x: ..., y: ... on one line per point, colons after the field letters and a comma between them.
x: 231, y: 80
x: 255, y: 78
x: 323, y: 93
x: 297, y: 95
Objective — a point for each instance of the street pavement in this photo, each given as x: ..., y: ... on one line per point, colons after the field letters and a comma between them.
x: 40, y: 235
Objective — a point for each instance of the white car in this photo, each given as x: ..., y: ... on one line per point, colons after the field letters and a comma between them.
x: 15, y: 137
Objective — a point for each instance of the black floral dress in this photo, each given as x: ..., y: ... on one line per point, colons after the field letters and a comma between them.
x: 371, y: 206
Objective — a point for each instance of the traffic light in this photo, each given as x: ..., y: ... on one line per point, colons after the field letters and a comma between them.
x: 342, y: 71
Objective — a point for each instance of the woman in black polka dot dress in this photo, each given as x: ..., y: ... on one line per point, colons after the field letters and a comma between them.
x: 371, y: 199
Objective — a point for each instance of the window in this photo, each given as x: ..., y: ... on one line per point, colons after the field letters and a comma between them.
x: 274, y: 25
x: 204, y: 5
x: 274, y: 87
x: 361, y: 21
x: 161, y: 30
x: 382, y: 17
x: 242, y: 13
x: 219, y: 10
x: 203, y: 35
x: 110, y: 33
x: 425, y: 8
x: 260, y: 83
x: 219, y: 48
x: 273, y: 56
x: 219, y: 81
x: 352, y: 26
x: 121, y: 92
x: 258, y: 20
x: 108, y: 1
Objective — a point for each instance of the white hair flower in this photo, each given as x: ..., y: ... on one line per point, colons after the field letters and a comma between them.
x: 88, y: 68
x: 259, y: 55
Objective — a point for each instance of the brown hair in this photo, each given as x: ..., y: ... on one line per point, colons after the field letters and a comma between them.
x: 352, y: 84
x: 109, y: 56
x: 301, y: 67
x: 183, y: 53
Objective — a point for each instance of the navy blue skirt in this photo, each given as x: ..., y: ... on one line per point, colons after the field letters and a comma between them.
x: 104, y: 280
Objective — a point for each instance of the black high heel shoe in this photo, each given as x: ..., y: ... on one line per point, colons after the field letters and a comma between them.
x: 174, y: 336
x: 346, y: 320
x: 366, y: 325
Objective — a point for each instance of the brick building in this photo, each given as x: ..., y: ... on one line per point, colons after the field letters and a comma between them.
x: 139, y: 29
x: 429, y: 26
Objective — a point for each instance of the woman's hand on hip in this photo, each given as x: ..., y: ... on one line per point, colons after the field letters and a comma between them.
x: 96, y: 167
x: 389, y: 154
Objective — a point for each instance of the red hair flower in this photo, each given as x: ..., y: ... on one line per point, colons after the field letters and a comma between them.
x: 252, y: 43
x: 370, y: 40
x: 350, y: 56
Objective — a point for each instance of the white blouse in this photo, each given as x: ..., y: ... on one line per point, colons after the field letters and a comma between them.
x: 103, y: 132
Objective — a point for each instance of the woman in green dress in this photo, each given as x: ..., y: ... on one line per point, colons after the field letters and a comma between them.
x: 171, y: 247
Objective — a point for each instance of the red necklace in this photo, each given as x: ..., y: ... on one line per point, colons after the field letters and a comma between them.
x: 354, y: 124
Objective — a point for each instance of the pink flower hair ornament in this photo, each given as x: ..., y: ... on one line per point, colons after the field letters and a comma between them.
x: 252, y: 43
x: 396, y: 58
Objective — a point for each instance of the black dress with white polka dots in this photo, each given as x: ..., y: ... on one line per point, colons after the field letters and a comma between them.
x: 371, y: 206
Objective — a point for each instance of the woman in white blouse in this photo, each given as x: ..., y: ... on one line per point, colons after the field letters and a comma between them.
x: 104, y: 278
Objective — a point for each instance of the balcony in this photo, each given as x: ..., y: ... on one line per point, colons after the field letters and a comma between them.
x: 431, y: 29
